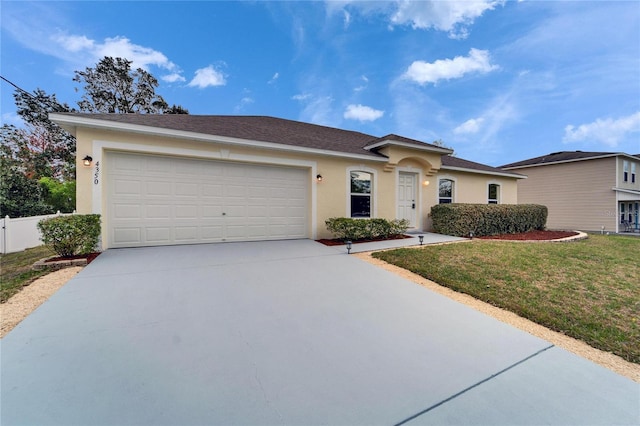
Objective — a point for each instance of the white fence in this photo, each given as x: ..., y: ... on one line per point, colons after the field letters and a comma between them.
x: 21, y: 233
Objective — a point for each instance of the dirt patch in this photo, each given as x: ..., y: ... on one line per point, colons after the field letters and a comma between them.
x: 532, y: 236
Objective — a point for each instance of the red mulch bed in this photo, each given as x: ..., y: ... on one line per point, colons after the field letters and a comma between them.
x: 89, y: 257
x: 532, y: 236
x: 340, y: 242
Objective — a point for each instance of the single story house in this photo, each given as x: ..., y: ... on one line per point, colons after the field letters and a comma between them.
x: 589, y: 191
x: 183, y: 179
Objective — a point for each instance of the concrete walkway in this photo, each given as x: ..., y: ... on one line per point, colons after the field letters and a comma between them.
x: 286, y: 332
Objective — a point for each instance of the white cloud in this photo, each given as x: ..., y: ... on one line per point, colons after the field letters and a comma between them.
x: 275, y: 77
x: 207, y: 77
x: 362, y: 113
x: 117, y: 47
x: 471, y: 126
x: 74, y: 43
x: 121, y: 47
x: 607, y: 131
x: 81, y: 49
x: 347, y: 18
x: 243, y: 103
x: 172, y: 78
x: 362, y: 86
x: 301, y: 97
x: 451, y: 16
x: 422, y: 72
x: 317, y: 109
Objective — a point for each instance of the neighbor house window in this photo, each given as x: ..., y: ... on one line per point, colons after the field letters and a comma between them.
x: 494, y: 193
x: 361, y: 194
x: 633, y: 172
x: 622, y: 213
x: 625, y: 171
x: 445, y: 191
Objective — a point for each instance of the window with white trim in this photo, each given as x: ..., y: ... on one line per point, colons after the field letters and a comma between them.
x: 633, y: 172
x: 625, y: 171
x: 445, y: 191
x: 493, y: 195
x: 361, y: 187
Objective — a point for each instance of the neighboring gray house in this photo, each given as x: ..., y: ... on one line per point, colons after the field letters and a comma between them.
x: 590, y: 191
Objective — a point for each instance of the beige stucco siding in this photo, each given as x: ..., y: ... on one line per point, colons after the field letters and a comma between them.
x: 474, y: 187
x: 579, y: 195
x: 327, y: 198
x: 331, y: 194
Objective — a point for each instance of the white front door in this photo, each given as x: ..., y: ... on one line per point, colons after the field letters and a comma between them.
x: 407, y: 198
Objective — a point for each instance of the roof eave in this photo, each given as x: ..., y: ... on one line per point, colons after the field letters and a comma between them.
x: 573, y: 160
x: 626, y: 190
x: 71, y: 123
x: 484, y: 172
x: 427, y: 148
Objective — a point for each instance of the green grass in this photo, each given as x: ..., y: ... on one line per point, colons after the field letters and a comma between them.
x: 15, y: 270
x: 589, y: 290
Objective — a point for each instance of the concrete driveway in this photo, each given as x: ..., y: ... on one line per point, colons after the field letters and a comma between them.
x: 287, y: 332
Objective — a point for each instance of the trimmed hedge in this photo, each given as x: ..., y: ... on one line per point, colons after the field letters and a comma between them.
x: 71, y: 235
x: 347, y: 228
x: 487, y: 219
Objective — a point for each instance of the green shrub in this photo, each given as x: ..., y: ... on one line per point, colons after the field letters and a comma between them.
x: 347, y: 228
x: 71, y: 235
x: 487, y: 219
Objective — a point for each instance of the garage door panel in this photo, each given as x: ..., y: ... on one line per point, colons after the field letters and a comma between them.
x: 156, y: 200
x: 212, y: 233
x: 124, y: 236
x: 296, y: 212
x: 186, y: 234
x: 185, y: 190
x: 130, y: 187
x: 129, y: 164
x: 158, y: 188
x: 127, y: 211
x: 188, y: 168
x: 187, y: 212
x: 212, y: 190
x: 157, y: 211
x: 209, y: 212
x: 158, y: 234
x: 212, y: 170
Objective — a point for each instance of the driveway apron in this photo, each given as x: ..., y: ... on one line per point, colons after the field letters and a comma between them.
x: 284, y: 332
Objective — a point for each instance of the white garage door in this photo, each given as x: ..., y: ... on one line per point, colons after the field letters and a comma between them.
x: 156, y: 200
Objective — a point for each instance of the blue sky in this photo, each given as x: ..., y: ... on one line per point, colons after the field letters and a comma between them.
x: 497, y: 81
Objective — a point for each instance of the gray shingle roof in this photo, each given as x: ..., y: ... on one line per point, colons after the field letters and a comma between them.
x: 556, y: 157
x: 256, y: 128
x: 449, y: 161
x: 276, y: 130
x: 398, y: 138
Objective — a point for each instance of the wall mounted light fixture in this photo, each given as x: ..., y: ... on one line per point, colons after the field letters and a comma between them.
x: 87, y: 160
x: 426, y: 182
x: 319, y: 178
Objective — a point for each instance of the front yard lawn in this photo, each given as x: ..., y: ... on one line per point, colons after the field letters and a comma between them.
x: 15, y: 270
x: 589, y: 290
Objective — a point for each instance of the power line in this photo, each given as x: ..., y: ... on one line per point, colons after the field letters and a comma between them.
x: 55, y: 106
